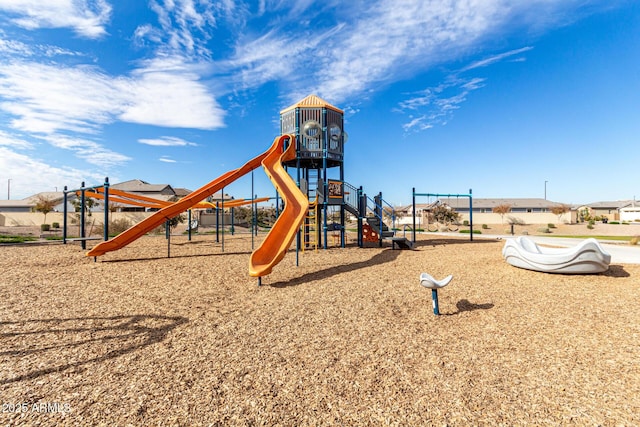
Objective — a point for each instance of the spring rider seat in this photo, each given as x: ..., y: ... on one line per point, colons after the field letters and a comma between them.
x: 428, y: 281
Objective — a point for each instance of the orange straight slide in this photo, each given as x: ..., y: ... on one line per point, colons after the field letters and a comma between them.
x: 275, y: 244
x: 168, y: 212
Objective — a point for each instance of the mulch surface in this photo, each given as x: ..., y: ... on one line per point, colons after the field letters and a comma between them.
x: 346, y: 338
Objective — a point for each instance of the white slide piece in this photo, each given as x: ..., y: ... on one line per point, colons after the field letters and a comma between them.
x: 428, y: 281
x: 588, y: 257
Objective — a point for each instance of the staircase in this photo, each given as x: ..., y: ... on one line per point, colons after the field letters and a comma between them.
x: 374, y: 222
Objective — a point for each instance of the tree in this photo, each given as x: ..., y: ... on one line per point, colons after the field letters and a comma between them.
x: 560, y: 210
x: 88, y: 204
x: 45, y: 205
x: 443, y: 214
x: 502, y: 209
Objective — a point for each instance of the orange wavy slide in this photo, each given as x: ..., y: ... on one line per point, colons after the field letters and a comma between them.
x: 275, y: 244
x: 168, y: 212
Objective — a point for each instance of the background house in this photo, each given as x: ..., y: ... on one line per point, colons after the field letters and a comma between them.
x: 610, y: 210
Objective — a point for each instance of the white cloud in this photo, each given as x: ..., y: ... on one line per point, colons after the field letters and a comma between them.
x: 437, y: 103
x: 90, y: 151
x: 50, y: 98
x: 86, y: 17
x: 167, y: 141
x: 13, y: 141
x: 30, y: 175
x: 166, y: 159
x: 170, y: 99
x: 184, y: 27
x: 363, y: 45
x: 496, y: 58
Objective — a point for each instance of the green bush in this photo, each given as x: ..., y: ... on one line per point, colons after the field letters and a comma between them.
x: 45, y: 227
x: 590, y: 226
x: 465, y: 223
x: 614, y: 222
x: 55, y: 225
x: 551, y: 225
x: 474, y: 231
x: 544, y: 230
x: 485, y: 227
x: 634, y: 240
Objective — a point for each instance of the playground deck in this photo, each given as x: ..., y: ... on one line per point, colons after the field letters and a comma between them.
x: 346, y: 338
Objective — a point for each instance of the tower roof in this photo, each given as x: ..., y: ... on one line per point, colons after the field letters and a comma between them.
x: 312, y: 101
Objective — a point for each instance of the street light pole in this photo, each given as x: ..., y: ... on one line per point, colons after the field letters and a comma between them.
x: 545, y: 190
x: 9, y: 189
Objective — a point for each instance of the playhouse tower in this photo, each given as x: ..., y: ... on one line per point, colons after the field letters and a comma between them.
x: 320, y: 137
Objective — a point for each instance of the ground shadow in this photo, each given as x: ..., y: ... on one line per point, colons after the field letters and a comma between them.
x: 177, y: 256
x: 465, y: 305
x: 616, y: 271
x: 450, y: 241
x: 120, y: 334
x: 385, y: 256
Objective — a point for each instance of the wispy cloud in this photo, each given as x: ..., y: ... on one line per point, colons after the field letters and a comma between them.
x: 90, y: 151
x: 497, y: 58
x: 183, y: 27
x: 86, y: 17
x: 30, y: 175
x: 48, y: 98
x: 167, y: 141
x: 167, y: 159
x: 435, y: 105
x: 10, y: 140
x: 13, y: 48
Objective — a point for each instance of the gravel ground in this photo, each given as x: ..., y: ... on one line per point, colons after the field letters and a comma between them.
x: 348, y: 337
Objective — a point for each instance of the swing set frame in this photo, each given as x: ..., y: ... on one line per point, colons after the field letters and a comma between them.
x: 469, y: 195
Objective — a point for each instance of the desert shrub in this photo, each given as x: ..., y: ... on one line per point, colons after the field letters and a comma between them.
x: 544, y: 230
x: 590, y: 226
x: 634, y: 240
x: 551, y: 225
x: 465, y: 222
x: 474, y: 231
x: 45, y: 227
x: 55, y: 225
x: 614, y: 222
x: 485, y: 227
x: 116, y: 226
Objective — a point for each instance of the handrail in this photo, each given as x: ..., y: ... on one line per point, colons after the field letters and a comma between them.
x: 350, y: 195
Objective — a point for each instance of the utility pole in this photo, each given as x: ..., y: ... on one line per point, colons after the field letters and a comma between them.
x: 545, y: 190
x: 9, y: 189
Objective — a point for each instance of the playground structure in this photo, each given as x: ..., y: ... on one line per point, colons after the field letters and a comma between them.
x: 588, y: 257
x: 312, y: 141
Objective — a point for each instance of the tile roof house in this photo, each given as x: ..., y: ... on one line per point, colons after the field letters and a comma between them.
x: 28, y: 204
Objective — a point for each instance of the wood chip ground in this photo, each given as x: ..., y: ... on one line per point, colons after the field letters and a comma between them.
x: 348, y: 337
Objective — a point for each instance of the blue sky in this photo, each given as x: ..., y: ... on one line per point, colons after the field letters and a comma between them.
x: 441, y: 95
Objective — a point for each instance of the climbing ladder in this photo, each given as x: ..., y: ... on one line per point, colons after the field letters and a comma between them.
x: 310, y: 227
